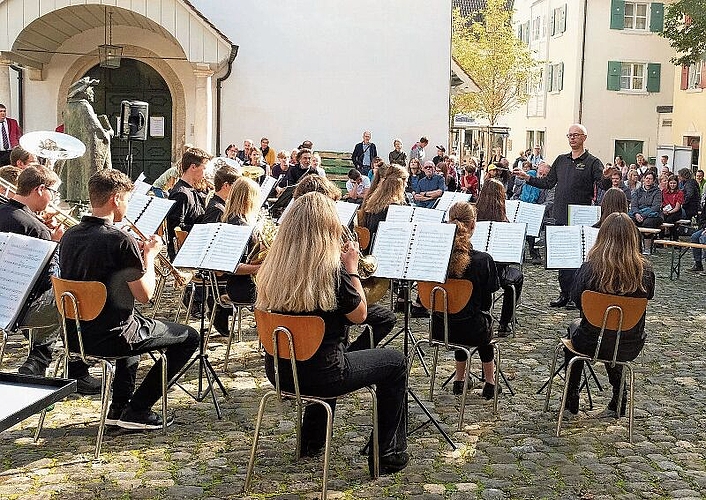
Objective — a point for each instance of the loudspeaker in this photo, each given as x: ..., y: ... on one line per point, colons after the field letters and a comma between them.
x: 133, y: 120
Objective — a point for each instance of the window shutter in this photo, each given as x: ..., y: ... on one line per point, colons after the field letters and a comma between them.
x: 526, y: 32
x: 684, y: 77
x: 560, y: 77
x: 617, y: 14
x: 653, y: 75
x: 550, y: 77
x: 656, y: 17
x: 562, y: 19
x: 614, y: 68
x: 551, y: 22
x: 702, y: 83
x: 519, y: 32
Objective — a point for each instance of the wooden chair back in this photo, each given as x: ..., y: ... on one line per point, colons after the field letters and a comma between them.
x: 307, y: 333
x: 595, y: 304
x: 363, y: 237
x: 458, y: 291
x: 90, y: 298
x: 179, y: 237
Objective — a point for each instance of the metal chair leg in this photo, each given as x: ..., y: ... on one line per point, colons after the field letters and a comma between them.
x: 432, y: 374
x: 551, y: 377
x: 165, y: 383
x: 376, y: 437
x: 60, y: 358
x: 497, y: 378
x: 327, y: 449
x: 466, y: 376
x: 108, y: 373
x: 256, y: 438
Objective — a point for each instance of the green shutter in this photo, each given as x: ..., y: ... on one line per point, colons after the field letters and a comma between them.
x: 560, y: 78
x: 653, y: 76
x: 550, y: 74
x: 551, y: 22
x: 656, y: 17
x: 617, y: 14
x: 614, y: 68
x: 562, y: 22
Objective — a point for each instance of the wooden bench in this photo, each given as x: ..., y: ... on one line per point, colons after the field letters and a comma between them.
x: 679, y: 249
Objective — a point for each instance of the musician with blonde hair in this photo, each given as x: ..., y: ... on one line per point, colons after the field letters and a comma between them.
x: 390, y: 191
x: 323, y: 281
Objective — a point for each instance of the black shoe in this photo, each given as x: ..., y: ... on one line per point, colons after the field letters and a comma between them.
x: 560, y: 301
x: 613, y: 406
x: 113, y: 416
x: 419, y: 312
x: 570, y: 305
x: 33, y: 367
x: 537, y: 260
x: 390, y: 463
x: 142, y: 420
x: 504, y: 330
x: 220, y: 324
x: 697, y: 267
x: 489, y: 390
x: 87, y: 385
x: 458, y: 387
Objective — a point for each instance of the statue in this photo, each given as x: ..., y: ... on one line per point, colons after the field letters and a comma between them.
x: 81, y: 121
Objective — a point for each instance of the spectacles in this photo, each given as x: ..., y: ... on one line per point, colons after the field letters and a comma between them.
x: 54, y: 193
x: 573, y: 136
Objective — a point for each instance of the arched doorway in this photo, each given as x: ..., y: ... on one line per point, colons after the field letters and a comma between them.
x: 137, y: 81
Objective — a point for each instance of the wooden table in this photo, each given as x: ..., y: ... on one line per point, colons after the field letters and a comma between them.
x: 679, y: 249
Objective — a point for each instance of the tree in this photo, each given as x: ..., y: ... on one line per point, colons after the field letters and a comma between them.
x: 500, y: 64
x: 685, y: 28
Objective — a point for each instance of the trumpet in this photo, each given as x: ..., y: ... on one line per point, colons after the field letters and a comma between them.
x: 62, y: 217
x: 179, y: 278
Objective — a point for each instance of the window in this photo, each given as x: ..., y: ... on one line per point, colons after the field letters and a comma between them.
x: 632, y: 76
x: 555, y: 80
x: 694, y: 79
x: 557, y: 22
x: 635, y: 17
x: 536, y: 28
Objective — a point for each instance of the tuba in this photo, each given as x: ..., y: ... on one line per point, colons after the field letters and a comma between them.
x: 374, y: 288
x: 54, y: 147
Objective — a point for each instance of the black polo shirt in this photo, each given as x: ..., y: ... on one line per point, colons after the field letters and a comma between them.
x: 184, y: 213
x: 214, y: 210
x: 574, y: 179
x: 96, y: 250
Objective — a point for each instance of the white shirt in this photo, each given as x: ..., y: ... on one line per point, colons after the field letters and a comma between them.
x: 360, y: 187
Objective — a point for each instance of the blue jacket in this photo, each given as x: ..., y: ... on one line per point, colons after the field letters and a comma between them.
x: 530, y: 194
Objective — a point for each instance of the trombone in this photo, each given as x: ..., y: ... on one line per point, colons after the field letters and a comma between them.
x: 179, y: 278
x: 64, y: 218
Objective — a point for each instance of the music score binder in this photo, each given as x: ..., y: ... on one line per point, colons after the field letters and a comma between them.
x: 504, y: 241
x: 416, y: 252
x: 216, y: 247
x: 449, y: 198
x: 406, y: 213
x: 568, y: 246
x: 522, y: 212
x: 148, y: 212
x: 584, y: 215
x: 22, y: 261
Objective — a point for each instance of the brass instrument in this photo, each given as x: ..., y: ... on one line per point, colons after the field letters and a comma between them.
x: 253, y: 172
x: 62, y: 217
x: 374, y: 288
x: 266, y: 231
x: 52, y: 146
x: 180, y: 279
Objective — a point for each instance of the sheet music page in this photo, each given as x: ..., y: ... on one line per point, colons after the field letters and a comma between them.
x: 422, y: 215
x: 136, y: 205
x: 21, y: 261
x: 141, y: 187
x: 141, y: 177
x: 286, y: 211
x: 4, y: 237
x: 227, y: 248
x: 266, y: 188
x: 430, y: 252
x: 346, y: 211
x: 194, y: 249
x: 584, y: 215
x: 511, y: 207
x: 479, y: 240
x: 449, y: 198
x: 507, y: 242
x: 151, y: 219
x: 400, y: 213
x: 589, y: 239
x: 531, y: 214
x: 564, y: 247
x: 391, y: 247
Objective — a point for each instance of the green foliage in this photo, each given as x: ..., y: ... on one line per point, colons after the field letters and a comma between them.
x: 685, y: 28
x: 499, y: 63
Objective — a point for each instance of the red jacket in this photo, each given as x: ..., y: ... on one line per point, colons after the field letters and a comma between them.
x: 14, y: 131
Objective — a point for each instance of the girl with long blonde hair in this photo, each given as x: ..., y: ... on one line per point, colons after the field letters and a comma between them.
x: 391, y: 191
x: 307, y: 271
x: 614, y: 266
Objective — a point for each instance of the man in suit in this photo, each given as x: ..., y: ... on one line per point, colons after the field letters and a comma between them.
x: 10, y: 133
x: 363, y: 154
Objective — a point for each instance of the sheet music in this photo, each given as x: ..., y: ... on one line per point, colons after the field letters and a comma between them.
x: 216, y: 247
x: 136, y: 205
x: 21, y: 261
x: 405, y: 213
x: 511, y: 207
x: 346, y: 211
x: 531, y: 214
x: 141, y: 187
x: 430, y: 252
x: 589, y: 239
x: 266, y: 188
x: 449, y: 198
x: 507, y: 242
x: 584, y: 215
x: 390, y: 247
x: 148, y: 212
x: 479, y: 239
x: 564, y: 247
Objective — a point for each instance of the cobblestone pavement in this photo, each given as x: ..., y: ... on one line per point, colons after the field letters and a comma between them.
x: 514, y: 454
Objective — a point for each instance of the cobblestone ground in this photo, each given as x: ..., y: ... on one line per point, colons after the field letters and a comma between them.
x: 514, y: 454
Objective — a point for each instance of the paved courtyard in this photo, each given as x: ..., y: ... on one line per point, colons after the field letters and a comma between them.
x: 514, y: 454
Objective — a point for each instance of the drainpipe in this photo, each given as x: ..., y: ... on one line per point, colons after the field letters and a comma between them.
x: 219, y: 84
x: 583, y: 59
x: 20, y: 95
